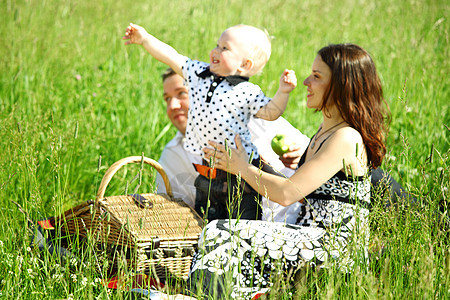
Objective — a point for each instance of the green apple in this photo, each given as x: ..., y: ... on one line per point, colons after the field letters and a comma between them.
x: 281, y: 144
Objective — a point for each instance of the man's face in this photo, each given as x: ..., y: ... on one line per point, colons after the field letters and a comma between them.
x: 177, y: 101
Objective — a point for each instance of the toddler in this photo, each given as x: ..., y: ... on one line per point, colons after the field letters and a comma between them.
x: 221, y: 98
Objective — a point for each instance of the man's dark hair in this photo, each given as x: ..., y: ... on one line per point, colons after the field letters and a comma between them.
x: 167, y: 73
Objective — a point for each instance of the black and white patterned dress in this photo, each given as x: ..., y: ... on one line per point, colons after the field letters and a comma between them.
x: 331, y: 229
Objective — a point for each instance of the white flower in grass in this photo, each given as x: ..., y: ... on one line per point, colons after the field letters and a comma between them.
x: 414, y: 172
x: 84, y: 281
x: 28, y: 249
x: 73, y: 261
x: 30, y: 272
x: 74, y: 277
x: 70, y: 297
x: 390, y: 157
x: 1, y: 243
x: 335, y: 254
x: 98, y: 280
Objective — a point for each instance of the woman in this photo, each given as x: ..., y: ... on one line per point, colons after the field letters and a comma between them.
x: 332, y: 181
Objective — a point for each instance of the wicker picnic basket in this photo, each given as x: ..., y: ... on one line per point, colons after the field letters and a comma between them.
x: 152, y: 233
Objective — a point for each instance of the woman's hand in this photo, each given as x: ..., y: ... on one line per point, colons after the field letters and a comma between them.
x: 232, y: 161
x: 291, y: 158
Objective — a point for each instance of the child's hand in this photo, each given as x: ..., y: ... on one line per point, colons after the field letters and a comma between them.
x: 135, y: 34
x: 288, y: 81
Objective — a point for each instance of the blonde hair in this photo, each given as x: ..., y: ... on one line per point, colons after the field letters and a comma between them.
x: 259, y: 46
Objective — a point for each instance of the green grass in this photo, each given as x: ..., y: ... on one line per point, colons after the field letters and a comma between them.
x: 70, y: 92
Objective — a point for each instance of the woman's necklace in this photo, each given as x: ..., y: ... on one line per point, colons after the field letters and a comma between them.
x: 317, y: 136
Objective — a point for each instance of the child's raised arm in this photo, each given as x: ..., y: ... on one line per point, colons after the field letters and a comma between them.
x: 275, y: 108
x: 136, y: 34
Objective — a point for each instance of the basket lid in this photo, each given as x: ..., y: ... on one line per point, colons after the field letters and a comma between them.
x: 167, y: 218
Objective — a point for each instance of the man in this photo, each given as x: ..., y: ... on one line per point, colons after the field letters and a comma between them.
x: 177, y: 162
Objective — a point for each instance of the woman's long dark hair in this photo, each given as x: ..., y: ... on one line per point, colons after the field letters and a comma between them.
x: 355, y: 89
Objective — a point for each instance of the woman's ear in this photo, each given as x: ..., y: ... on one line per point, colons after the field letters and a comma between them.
x: 246, y: 66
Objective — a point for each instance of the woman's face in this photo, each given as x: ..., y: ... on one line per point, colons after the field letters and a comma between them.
x: 317, y: 83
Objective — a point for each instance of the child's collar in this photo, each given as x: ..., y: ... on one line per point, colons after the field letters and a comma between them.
x: 233, y: 79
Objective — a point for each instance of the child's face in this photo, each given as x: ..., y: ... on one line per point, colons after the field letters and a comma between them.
x: 230, y: 57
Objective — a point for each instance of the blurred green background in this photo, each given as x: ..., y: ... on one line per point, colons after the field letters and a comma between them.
x: 71, y: 91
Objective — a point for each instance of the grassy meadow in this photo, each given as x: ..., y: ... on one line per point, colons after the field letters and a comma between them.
x: 74, y: 99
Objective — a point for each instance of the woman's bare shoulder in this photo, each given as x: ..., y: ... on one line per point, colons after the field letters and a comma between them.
x: 347, y: 135
x: 349, y: 141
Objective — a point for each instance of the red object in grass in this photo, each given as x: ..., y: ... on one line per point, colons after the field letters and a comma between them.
x: 260, y: 293
x: 137, y: 281
x: 46, y: 224
x: 257, y: 296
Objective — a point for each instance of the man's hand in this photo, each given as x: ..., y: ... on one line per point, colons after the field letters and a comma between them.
x: 135, y: 34
x: 288, y: 81
x: 291, y: 158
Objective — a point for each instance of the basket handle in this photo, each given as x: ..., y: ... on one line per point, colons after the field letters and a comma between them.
x: 127, y: 160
